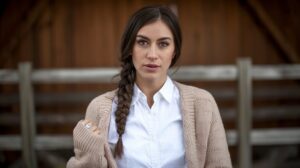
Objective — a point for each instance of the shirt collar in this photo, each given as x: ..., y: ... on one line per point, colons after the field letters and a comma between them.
x: 166, y: 91
x: 137, y: 94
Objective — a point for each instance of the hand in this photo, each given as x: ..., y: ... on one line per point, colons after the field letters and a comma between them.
x: 90, y: 126
x: 87, y: 135
x: 89, y: 145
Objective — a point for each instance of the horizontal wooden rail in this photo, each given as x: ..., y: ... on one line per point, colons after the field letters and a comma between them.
x: 184, y: 73
x: 8, y: 76
x: 269, y: 113
x: 275, y: 72
x: 42, y: 142
x: 106, y: 75
x: 205, y: 73
x: 278, y: 136
x: 273, y: 136
x: 229, y: 93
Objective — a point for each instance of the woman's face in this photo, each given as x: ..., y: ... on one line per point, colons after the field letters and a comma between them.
x: 153, y: 52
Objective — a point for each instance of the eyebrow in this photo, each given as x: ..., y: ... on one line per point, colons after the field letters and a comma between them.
x: 160, y: 39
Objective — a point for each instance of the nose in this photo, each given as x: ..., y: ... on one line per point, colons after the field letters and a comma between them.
x: 152, y: 53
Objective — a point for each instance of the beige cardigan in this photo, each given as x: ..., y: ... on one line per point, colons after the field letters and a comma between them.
x: 204, y: 135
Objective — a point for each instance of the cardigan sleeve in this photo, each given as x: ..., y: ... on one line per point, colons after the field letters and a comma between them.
x: 88, y: 147
x: 217, y: 148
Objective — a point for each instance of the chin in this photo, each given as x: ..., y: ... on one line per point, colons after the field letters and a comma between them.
x: 153, y: 77
x: 150, y: 77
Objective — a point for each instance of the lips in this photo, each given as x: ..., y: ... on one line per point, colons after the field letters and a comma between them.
x: 151, y: 67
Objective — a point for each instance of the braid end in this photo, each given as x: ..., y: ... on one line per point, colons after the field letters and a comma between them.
x: 119, y: 148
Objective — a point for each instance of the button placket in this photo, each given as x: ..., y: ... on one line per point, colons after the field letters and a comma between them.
x: 154, y: 114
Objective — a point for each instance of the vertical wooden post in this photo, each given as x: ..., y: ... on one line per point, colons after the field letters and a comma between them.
x: 244, y: 112
x: 27, y: 116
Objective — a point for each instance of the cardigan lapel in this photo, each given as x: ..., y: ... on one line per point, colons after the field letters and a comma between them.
x: 106, y: 112
x: 189, y: 130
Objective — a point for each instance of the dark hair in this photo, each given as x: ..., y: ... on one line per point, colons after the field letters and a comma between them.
x: 139, y: 19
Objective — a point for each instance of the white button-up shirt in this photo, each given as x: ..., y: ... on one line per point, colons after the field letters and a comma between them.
x: 153, y: 136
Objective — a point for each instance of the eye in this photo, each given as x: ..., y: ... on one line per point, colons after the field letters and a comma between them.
x: 142, y: 43
x: 163, y: 44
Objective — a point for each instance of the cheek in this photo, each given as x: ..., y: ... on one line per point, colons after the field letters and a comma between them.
x: 134, y: 54
x: 136, y: 57
x: 134, y: 60
x: 170, y: 56
x: 137, y: 52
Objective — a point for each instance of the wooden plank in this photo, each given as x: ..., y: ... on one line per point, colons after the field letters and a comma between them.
x: 8, y: 76
x: 9, y: 119
x: 97, y: 75
x: 23, y: 28
x: 27, y: 116
x: 185, y: 73
x: 54, y: 142
x: 283, y: 112
x: 105, y: 75
x: 286, y: 136
x: 244, y: 119
x: 266, y: 113
x: 273, y: 30
x: 275, y: 72
x: 227, y: 93
x: 270, y: 136
x: 211, y: 73
x: 43, y: 142
x: 10, y: 142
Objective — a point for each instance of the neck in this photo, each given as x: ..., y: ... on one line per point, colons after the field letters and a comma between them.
x: 150, y: 88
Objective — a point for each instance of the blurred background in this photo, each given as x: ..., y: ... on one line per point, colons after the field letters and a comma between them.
x: 72, y: 34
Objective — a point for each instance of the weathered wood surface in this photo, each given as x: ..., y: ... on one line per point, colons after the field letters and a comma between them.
x: 278, y: 136
x: 244, y: 118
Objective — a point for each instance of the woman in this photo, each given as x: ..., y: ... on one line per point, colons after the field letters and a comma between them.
x: 150, y: 120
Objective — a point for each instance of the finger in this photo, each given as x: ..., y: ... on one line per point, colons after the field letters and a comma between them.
x: 94, y: 128
x: 87, y: 124
x: 97, y: 131
x: 84, y: 122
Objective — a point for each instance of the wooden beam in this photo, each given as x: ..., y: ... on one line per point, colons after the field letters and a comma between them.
x: 28, y: 125
x: 22, y: 29
x: 270, y: 136
x: 276, y: 72
x: 184, y: 73
x: 275, y: 33
x: 244, y: 119
x: 269, y: 113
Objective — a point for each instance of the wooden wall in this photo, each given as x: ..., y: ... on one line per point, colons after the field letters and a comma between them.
x: 66, y: 33
x: 86, y: 33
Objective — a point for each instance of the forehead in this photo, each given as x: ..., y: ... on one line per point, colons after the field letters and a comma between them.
x: 155, y: 30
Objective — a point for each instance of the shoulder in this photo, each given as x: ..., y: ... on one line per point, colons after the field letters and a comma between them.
x: 103, y: 98
x: 99, y: 104
x: 193, y: 92
x: 199, y: 100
